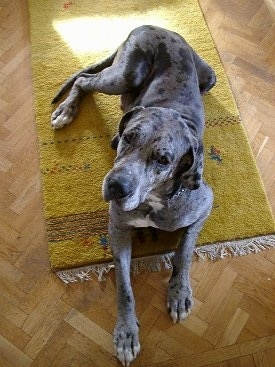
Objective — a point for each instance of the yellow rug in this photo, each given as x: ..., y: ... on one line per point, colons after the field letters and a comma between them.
x: 69, y: 35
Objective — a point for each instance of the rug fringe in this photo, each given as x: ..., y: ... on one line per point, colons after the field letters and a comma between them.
x: 158, y: 262
x: 247, y: 246
x: 84, y: 273
x: 150, y: 264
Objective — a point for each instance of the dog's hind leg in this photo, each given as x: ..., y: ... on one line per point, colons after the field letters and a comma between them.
x: 206, y: 75
x: 67, y: 111
x: 128, y: 70
x: 91, y: 69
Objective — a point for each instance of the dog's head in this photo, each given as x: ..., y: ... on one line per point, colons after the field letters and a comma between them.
x: 156, y: 152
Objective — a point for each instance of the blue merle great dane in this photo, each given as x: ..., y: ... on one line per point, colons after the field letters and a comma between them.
x: 156, y: 179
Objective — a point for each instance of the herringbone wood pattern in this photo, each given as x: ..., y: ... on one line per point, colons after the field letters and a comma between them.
x: 43, y: 322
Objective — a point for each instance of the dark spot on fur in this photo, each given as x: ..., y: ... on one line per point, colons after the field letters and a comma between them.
x: 161, y: 91
x: 157, y: 140
x: 138, y: 60
x: 155, y: 127
x: 174, y: 273
x: 196, y: 176
x: 163, y: 59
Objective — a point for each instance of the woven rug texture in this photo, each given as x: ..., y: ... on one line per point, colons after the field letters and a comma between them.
x: 66, y: 37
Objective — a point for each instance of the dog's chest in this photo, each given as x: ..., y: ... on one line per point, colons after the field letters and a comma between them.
x: 143, y: 218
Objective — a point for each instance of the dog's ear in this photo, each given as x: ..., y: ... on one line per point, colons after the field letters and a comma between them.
x: 126, y: 118
x: 115, y: 141
x: 122, y: 125
x: 189, y: 170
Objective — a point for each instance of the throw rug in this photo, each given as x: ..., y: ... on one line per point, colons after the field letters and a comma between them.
x: 66, y: 36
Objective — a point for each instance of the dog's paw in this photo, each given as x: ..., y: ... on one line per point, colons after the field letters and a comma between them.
x: 63, y: 115
x: 126, y: 341
x: 179, y: 300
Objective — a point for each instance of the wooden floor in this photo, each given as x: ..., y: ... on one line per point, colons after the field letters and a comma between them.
x: 43, y: 322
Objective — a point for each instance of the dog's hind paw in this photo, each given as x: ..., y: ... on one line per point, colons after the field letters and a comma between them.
x: 126, y: 342
x: 63, y: 115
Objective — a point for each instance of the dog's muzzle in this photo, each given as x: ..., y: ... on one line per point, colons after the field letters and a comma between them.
x: 118, y: 186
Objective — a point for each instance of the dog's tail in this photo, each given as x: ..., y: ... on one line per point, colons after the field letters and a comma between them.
x: 92, y: 69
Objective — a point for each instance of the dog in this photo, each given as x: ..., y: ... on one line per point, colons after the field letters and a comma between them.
x: 157, y: 178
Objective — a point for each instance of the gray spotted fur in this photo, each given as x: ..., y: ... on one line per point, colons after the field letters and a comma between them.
x: 156, y: 179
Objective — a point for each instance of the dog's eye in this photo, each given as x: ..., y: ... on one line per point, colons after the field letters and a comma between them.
x: 163, y: 160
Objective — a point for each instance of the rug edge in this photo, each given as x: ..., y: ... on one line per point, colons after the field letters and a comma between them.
x: 155, y: 263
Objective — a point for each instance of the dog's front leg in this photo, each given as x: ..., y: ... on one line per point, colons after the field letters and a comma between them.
x: 179, y: 301
x: 126, y: 340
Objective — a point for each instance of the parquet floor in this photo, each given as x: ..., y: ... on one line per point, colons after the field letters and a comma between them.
x: 44, y: 323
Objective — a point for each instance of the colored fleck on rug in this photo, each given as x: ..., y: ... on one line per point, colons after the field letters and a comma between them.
x: 69, y: 35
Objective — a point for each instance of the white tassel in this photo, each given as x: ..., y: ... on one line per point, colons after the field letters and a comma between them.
x: 84, y: 273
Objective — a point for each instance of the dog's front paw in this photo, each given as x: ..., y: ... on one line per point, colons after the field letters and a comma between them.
x: 126, y: 341
x: 179, y: 300
x: 63, y: 115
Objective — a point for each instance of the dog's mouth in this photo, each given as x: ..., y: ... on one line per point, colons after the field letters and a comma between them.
x: 127, y: 204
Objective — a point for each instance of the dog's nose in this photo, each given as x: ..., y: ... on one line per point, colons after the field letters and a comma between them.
x: 118, y: 188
